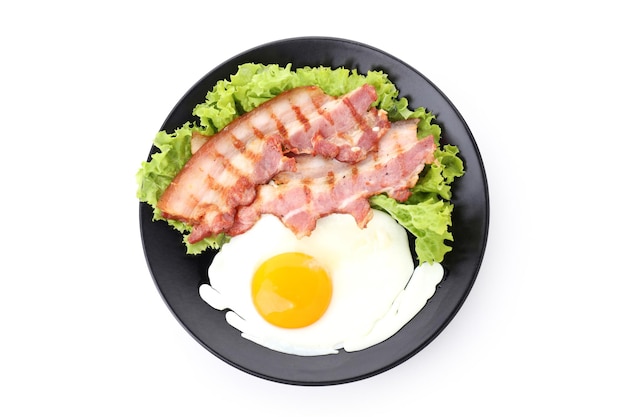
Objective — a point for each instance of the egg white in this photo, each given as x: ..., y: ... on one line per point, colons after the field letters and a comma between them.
x: 369, y: 267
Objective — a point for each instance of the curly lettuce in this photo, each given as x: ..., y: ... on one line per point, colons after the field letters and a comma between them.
x: 428, y: 212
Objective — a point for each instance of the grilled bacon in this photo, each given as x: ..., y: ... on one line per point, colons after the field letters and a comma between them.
x: 307, y: 121
x: 222, y: 174
x: 318, y: 187
x: 217, y: 180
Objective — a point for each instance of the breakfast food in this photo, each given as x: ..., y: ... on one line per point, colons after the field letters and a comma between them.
x: 318, y: 187
x: 308, y: 183
x: 221, y: 176
x: 426, y: 214
x: 369, y: 269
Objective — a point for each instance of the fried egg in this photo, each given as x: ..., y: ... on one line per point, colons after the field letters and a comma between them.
x: 342, y: 287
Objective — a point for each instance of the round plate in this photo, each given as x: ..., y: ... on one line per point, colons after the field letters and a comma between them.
x: 178, y: 275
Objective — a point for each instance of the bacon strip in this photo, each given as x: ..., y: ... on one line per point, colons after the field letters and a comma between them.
x: 345, y: 128
x: 224, y: 171
x: 318, y: 187
x: 307, y: 121
x: 218, y: 179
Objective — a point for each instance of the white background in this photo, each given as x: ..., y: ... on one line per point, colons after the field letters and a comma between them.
x: 84, y: 86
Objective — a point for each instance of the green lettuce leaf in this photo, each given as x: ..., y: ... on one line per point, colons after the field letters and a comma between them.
x: 155, y: 176
x: 427, y: 213
x: 254, y: 84
x: 428, y: 221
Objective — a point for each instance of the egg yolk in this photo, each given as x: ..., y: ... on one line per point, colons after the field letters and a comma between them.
x: 291, y: 290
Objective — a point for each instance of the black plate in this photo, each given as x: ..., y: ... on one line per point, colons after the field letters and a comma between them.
x: 178, y: 275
